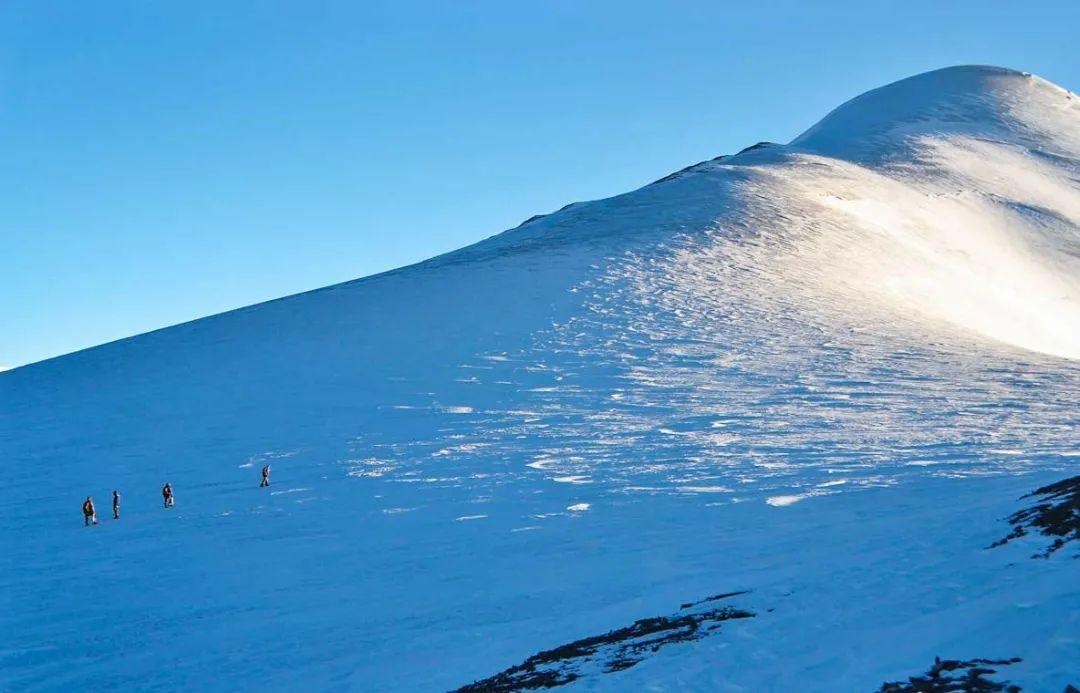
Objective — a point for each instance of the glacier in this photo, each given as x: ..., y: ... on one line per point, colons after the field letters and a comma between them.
x: 818, y: 376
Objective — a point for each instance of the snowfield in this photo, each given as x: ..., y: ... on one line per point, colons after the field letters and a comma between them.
x: 757, y: 426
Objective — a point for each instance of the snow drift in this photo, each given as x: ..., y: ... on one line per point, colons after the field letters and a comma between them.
x: 817, y: 375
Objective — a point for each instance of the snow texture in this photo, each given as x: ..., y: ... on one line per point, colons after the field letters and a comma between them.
x: 823, y: 374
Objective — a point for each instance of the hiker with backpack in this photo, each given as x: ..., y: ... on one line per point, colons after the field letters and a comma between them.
x: 89, y: 512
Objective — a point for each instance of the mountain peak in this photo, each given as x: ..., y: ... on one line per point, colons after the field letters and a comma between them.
x: 975, y: 100
x: 545, y: 442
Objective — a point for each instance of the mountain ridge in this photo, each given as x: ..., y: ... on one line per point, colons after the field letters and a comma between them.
x: 816, y: 385
x: 976, y: 80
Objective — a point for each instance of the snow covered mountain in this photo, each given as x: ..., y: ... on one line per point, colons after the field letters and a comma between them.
x: 757, y: 426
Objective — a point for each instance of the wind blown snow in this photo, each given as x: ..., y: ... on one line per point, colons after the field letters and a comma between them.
x: 816, y: 375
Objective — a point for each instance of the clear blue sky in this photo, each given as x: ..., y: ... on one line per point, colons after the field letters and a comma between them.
x: 161, y: 161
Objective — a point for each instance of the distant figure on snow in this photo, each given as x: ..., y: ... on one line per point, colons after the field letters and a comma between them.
x: 116, y: 504
x: 166, y: 493
x: 266, y: 476
x: 89, y: 512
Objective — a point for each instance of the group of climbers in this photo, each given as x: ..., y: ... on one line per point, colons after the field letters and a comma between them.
x: 90, y: 511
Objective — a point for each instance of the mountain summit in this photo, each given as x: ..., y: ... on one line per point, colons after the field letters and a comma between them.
x: 750, y: 427
x: 971, y: 101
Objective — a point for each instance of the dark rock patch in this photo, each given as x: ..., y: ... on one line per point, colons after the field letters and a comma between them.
x: 714, y: 598
x: 538, y: 217
x: 613, y: 651
x: 535, y: 217
x: 954, y: 675
x: 1056, y: 515
x: 692, y: 167
x: 678, y: 174
x: 759, y: 145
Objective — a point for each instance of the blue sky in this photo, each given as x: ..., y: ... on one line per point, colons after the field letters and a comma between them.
x: 165, y: 161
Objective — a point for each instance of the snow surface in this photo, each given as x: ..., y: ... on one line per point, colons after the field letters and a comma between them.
x: 822, y: 372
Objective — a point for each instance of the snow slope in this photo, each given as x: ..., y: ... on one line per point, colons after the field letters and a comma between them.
x: 822, y: 373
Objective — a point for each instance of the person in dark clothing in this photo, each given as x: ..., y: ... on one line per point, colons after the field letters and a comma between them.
x: 167, y: 494
x: 89, y: 512
x: 116, y: 504
x: 265, y: 476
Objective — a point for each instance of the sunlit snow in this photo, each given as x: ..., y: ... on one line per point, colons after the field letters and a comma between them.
x: 819, y: 373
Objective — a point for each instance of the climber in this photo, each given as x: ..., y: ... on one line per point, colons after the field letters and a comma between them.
x: 89, y: 512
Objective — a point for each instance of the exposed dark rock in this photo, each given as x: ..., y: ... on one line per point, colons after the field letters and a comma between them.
x: 533, y: 218
x: 692, y: 167
x: 956, y: 676
x: 614, y: 651
x: 681, y: 171
x: 714, y: 598
x: 759, y: 145
x: 1056, y: 515
x: 538, y: 217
